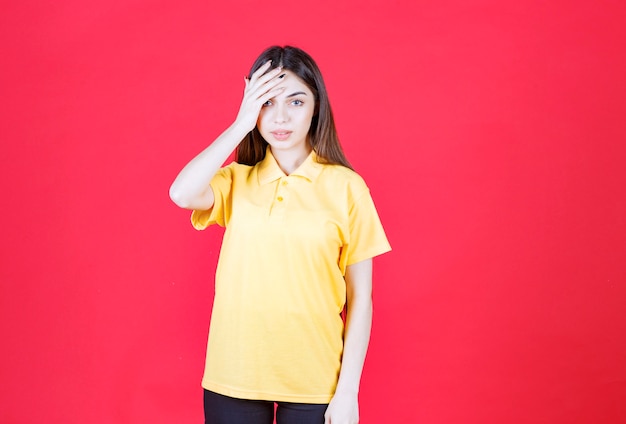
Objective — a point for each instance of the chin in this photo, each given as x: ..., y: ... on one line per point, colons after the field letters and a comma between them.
x: 284, y: 145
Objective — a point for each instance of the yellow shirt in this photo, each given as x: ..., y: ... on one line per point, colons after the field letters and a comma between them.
x: 276, y: 328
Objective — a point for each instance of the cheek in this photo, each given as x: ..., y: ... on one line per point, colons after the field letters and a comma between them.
x: 305, y: 116
x: 260, y: 122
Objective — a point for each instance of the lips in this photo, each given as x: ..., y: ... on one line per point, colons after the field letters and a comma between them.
x: 281, y: 134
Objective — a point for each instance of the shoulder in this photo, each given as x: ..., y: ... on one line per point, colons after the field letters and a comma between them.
x: 240, y: 167
x: 344, y: 179
x: 236, y: 169
x: 344, y: 174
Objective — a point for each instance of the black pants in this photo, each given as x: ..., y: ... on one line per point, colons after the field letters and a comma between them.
x: 220, y: 409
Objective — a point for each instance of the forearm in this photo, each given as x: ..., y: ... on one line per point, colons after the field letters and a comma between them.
x: 357, y: 336
x: 344, y: 406
x: 190, y: 189
x: 358, y: 326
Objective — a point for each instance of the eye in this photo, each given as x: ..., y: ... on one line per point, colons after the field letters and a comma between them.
x: 267, y: 103
x: 297, y: 102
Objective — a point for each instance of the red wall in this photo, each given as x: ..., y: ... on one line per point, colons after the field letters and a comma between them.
x: 492, y: 135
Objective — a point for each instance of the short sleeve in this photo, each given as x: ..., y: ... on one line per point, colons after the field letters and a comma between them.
x: 221, y: 186
x: 366, y: 234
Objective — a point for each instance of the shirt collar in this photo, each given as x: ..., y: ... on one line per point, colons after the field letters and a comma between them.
x: 270, y: 171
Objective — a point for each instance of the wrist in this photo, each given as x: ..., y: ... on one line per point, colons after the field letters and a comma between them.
x: 238, y: 131
x: 347, y: 390
x: 241, y: 127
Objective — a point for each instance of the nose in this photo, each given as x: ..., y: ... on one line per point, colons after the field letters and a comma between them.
x: 280, y: 114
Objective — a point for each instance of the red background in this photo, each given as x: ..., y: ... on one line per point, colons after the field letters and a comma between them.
x: 491, y: 134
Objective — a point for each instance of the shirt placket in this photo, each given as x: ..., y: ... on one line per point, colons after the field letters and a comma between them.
x: 281, y: 199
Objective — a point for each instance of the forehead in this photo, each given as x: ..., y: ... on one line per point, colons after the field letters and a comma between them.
x: 292, y: 83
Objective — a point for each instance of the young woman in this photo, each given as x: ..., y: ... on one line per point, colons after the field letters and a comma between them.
x: 301, y: 231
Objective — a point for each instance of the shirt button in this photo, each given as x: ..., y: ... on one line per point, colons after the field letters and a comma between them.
x: 279, y: 198
x: 284, y: 182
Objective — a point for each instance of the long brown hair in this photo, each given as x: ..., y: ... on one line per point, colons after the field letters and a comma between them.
x: 322, y: 137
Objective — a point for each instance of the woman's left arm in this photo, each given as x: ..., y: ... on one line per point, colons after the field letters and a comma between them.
x: 344, y: 406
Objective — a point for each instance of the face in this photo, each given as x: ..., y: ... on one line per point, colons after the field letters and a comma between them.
x: 284, y: 121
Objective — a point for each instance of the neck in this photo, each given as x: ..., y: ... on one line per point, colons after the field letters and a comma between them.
x: 289, y: 160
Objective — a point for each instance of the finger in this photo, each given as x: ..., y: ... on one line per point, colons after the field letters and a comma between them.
x: 262, y: 69
x: 255, y: 88
x: 265, y: 84
x: 271, y: 94
x: 265, y: 72
x: 265, y: 78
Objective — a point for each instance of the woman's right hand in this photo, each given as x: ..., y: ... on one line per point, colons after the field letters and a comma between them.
x: 260, y: 88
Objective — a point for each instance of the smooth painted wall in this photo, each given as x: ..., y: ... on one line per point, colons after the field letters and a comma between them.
x: 492, y: 136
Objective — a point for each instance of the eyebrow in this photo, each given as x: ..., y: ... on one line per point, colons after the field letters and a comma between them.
x: 296, y: 94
